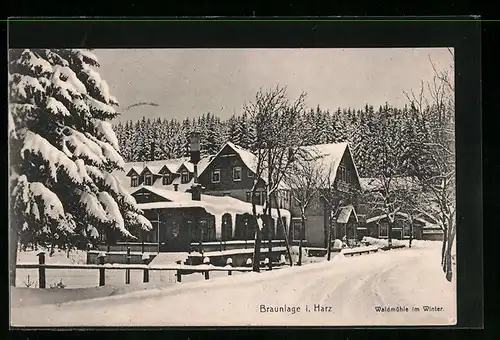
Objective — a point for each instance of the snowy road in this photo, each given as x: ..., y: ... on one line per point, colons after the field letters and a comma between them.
x: 347, y: 291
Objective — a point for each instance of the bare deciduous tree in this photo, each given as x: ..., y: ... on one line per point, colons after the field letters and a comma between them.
x: 432, y: 156
x: 278, y: 135
x: 305, y: 178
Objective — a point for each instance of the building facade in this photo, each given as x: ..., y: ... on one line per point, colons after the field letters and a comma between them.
x: 231, y: 173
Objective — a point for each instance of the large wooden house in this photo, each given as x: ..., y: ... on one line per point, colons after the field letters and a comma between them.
x: 227, y: 179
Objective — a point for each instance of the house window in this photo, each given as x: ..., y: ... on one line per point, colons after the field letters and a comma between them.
x: 249, y: 173
x: 148, y: 179
x: 263, y: 198
x: 216, y: 176
x: 297, y: 226
x: 208, y: 230
x: 407, y: 230
x: 237, y: 173
x: 184, y: 177
x: 166, y: 179
x: 175, y: 229
x: 259, y: 198
x: 383, y: 230
x: 135, y: 181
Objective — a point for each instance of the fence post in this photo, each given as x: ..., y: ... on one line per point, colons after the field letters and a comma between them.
x: 229, y: 263
x: 206, y: 261
x: 143, y: 247
x: 102, y: 274
x: 41, y: 269
x: 179, y: 275
x: 145, y: 260
x: 127, y: 271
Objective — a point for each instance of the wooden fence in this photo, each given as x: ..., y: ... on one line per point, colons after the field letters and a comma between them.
x: 102, y: 267
x: 360, y: 250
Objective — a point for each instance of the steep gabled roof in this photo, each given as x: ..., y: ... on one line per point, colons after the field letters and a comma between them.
x: 247, y: 157
x: 133, y: 169
x: 202, y: 164
x: 328, y: 157
x: 345, y: 213
x: 154, y: 169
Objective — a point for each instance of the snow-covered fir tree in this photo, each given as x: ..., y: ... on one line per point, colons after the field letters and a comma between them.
x: 63, y: 151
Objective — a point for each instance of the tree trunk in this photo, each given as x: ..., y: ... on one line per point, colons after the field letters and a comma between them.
x: 443, y: 248
x: 302, y: 230
x: 411, y: 232
x: 269, y: 236
x: 13, y: 240
x: 256, y: 252
x: 329, y: 246
x: 389, y: 233
x: 256, y: 249
x: 448, y: 265
x: 285, y: 231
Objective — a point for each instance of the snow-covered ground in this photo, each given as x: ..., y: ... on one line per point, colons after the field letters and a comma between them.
x: 349, y: 289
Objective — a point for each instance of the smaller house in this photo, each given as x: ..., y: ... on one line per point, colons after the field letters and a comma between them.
x: 346, y: 224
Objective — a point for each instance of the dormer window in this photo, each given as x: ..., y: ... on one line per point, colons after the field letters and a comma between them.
x: 184, y: 177
x: 134, y: 181
x: 216, y: 176
x: 148, y: 179
x: 166, y: 179
x: 237, y: 173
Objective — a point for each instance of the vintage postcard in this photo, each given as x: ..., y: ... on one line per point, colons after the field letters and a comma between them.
x: 232, y: 187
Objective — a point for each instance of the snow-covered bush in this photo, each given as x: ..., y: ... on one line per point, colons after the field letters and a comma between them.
x: 337, y: 244
x: 63, y: 151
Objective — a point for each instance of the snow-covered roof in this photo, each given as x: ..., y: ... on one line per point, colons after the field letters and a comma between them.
x: 154, y: 169
x: 370, y: 183
x: 427, y: 224
x: 135, y: 168
x: 383, y: 216
x: 214, y: 205
x: 328, y: 157
x: 345, y: 214
x: 247, y: 157
x: 202, y: 164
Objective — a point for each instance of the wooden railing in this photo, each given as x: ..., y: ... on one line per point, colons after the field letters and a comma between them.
x: 102, y: 267
x: 360, y: 250
x: 207, y: 246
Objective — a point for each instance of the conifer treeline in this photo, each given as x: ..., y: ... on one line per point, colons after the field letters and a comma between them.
x: 362, y: 128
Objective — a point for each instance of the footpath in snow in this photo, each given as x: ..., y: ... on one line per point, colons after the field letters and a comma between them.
x: 343, y: 292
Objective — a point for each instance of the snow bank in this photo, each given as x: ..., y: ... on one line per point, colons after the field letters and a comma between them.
x: 381, y: 242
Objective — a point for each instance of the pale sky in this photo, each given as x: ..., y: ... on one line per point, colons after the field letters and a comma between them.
x: 190, y: 82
